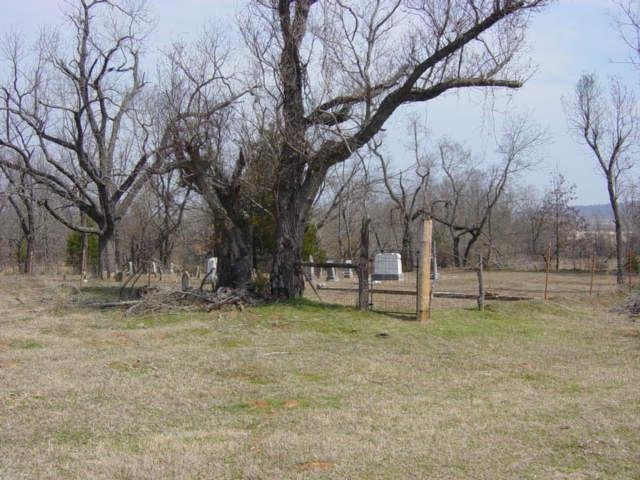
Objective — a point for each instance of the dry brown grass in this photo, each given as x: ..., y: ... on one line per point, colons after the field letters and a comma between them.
x: 298, y: 391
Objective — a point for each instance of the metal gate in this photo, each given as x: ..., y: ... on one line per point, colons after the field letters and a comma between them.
x: 393, y: 291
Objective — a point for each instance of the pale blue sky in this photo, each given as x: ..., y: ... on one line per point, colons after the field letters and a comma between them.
x: 569, y: 38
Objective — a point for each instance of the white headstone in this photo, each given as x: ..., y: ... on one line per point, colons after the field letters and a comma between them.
x: 130, y: 268
x: 312, y: 270
x: 154, y: 268
x: 387, y: 266
x: 171, y: 267
x: 348, y: 273
x: 331, y: 273
x: 212, y: 270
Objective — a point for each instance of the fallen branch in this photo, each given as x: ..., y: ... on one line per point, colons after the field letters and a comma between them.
x: 128, y: 303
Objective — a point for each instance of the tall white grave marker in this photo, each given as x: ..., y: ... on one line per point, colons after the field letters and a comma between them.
x: 212, y: 270
x: 387, y: 266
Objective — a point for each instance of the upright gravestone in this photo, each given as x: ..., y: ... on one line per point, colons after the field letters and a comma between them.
x: 154, y: 268
x: 212, y: 271
x: 348, y: 273
x: 312, y: 270
x: 170, y: 267
x: 186, y: 281
x: 130, y: 272
x: 387, y: 266
x: 331, y: 273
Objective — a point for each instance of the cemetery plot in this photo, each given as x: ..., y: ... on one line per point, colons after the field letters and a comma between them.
x: 464, y: 282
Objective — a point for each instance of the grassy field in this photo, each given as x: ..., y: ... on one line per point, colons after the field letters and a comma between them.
x: 524, y: 390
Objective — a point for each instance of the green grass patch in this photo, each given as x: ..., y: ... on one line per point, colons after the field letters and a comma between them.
x: 71, y: 436
x: 30, y: 345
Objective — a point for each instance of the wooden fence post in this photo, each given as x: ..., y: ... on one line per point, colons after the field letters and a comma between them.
x: 363, y: 267
x: 546, y: 277
x: 480, y: 284
x: 424, y: 272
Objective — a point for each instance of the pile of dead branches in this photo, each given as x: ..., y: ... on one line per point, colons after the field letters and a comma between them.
x: 192, y: 301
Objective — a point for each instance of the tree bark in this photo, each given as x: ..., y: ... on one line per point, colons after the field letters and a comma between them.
x: 107, y: 255
x: 456, y: 252
x: 287, y: 281
x: 618, y: 224
x: 235, y: 259
x: 407, y: 250
x: 29, y: 254
x: 467, y: 250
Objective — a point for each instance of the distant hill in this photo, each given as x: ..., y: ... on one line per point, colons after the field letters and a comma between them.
x: 600, y: 212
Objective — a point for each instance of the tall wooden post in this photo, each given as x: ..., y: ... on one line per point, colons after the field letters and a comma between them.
x: 424, y: 271
x: 363, y: 267
x: 546, y: 277
x: 593, y: 273
x: 480, y: 284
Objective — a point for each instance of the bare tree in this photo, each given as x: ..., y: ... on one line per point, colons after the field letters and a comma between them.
x: 333, y: 73
x: 608, y: 125
x: 169, y: 201
x: 339, y: 203
x: 21, y: 188
x: 203, y: 141
x: 407, y: 195
x: 82, y: 107
x: 629, y: 26
x: 21, y: 195
x: 471, y: 195
x: 558, y: 214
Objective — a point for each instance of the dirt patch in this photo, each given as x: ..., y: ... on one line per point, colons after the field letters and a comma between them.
x: 9, y: 363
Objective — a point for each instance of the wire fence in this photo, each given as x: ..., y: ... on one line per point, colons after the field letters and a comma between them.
x: 391, y: 289
x: 458, y: 287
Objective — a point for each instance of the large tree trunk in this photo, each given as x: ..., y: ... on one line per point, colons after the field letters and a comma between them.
x: 107, y: 255
x: 234, y: 252
x: 287, y: 281
x: 29, y: 254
